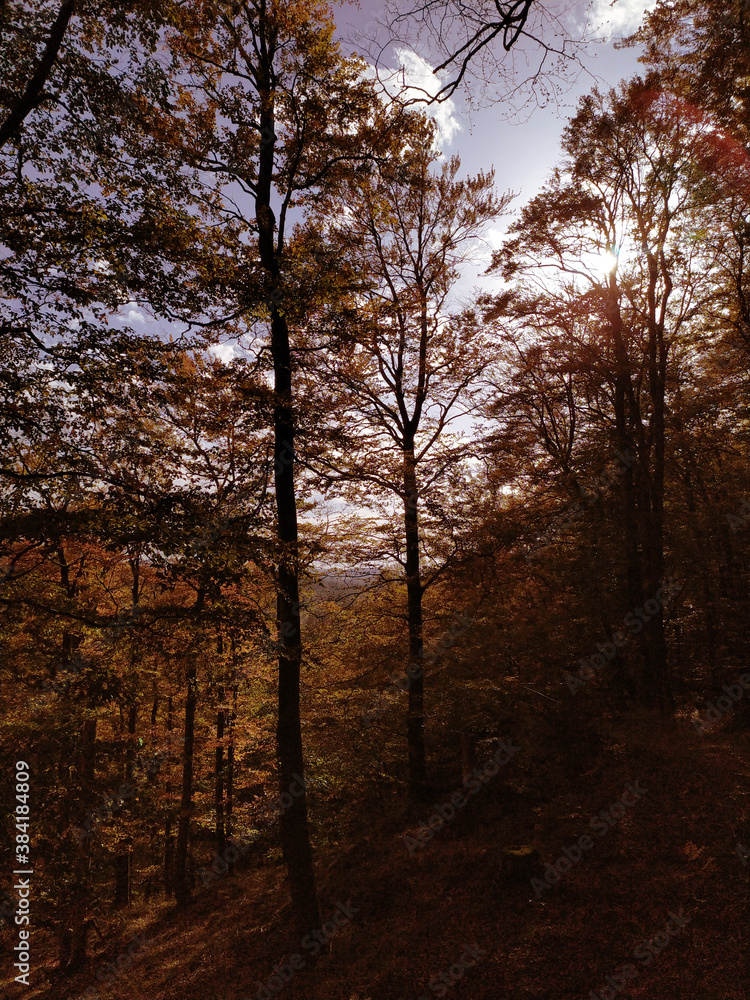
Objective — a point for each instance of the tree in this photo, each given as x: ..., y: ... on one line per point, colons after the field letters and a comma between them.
x: 153, y: 545
x: 489, y: 43
x: 32, y: 94
x: 699, y: 51
x: 91, y: 219
x: 278, y: 116
x: 408, y: 369
x: 617, y: 227
x: 698, y: 54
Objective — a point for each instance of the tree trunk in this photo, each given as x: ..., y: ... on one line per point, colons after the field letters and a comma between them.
x: 295, y: 835
x: 182, y: 877
x: 641, y: 534
x: 123, y: 858
x: 168, y: 836
x: 229, y: 818
x: 123, y: 873
x: 219, y: 776
x: 657, y: 689
x: 418, y: 788
x: 73, y: 924
x: 70, y: 644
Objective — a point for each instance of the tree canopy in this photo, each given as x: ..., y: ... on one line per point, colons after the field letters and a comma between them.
x: 315, y: 562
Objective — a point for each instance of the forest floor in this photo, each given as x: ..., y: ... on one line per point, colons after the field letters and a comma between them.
x: 658, y: 900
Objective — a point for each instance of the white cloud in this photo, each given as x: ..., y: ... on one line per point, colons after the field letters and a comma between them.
x: 224, y: 352
x: 415, y: 79
x: 495, y: 237
x: 617, y: 17
x: 135, y: 316
x: 130, y: 313
x: 416, y: 74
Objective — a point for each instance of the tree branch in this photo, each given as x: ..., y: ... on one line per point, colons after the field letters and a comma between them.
x: 32, y: 96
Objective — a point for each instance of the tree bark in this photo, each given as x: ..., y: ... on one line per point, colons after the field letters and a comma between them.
x: 295, y: 835
x: 643, y: 504
x: 123, y: 858
x: 33, y: 94
x: 123, y: 863
x: 657, y: 689
x: 168, y: 835
x: 228, y: 812
x: 219, y: 776
x: 418, y: 788
x: 74, y: 926
x: 182, y: 876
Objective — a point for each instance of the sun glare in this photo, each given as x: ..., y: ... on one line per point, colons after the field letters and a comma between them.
x: 601, y: 262
x: 607, y: 261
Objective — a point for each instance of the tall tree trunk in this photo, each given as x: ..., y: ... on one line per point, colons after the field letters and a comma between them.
x: 228, y: 812
x: 123, y: 863
x: 182, y: 876
x: 219, y: 775
x: 123, y: 866
x: 70, y: 644
x: 74, y: 926
x: 658, y: 687
x: 168, y: 835
x: 295, y: 834
x: 70, y: 640
x: 123, y: 859
x: 634, y: 494
x: 415, y: 728
x: 708, y: 602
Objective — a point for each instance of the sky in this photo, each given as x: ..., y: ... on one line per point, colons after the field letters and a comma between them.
x: 525, y: 150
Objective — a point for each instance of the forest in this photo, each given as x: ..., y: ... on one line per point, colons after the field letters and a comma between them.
x: 363, y: 636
